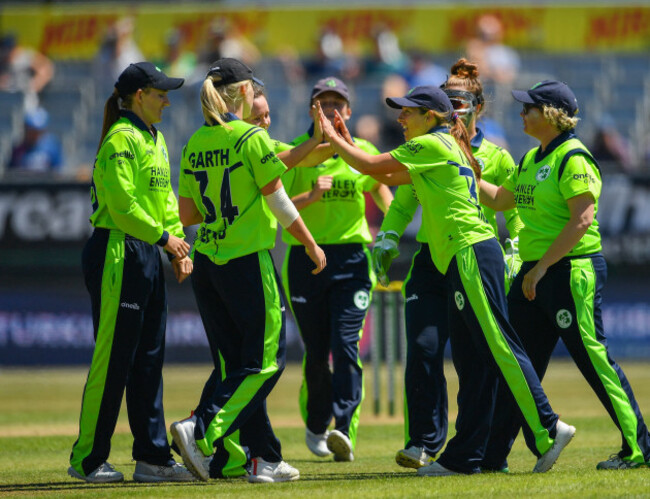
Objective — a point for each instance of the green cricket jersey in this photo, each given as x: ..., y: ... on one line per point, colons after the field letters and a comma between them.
x: 446, y: 187
x: 496, y: 165
x: 339, y: 217
x: 541, y: 187
x: 131, y: 187
x: 223, y: 171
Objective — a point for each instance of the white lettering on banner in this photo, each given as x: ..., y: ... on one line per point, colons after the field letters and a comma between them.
x: 49, y: 330
x: 36, y: 215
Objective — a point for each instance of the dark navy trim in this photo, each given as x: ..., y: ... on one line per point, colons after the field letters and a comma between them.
x: 245, y: 137
x: 135, y: 119
x: 439, y: 128
x: 554, y: 144
x: 477, y: 140
x: 570, y: 154
x: 163, y: 239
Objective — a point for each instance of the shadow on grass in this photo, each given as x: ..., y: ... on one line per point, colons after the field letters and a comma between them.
x: 76, y: 485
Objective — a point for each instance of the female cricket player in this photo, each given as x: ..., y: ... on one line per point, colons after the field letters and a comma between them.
x: 424, y: 290
x: 558, y: 292
x: 227, y: 168
x: 330, y: 310
x: 438, y: 161
x: 134, y: 212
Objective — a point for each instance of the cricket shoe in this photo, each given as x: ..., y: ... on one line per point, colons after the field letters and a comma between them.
x: 436, y: 469
x: 317, y: 443
x: 413, y: 457
x: 616, y: 462
x: 265, y: 472
x: 563, y: 435
x: 183, y: 434
x: 340, y: 445
x: 145, y: 472
x: 105, y: 473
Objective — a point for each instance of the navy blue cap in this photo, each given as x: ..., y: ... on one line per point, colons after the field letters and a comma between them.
x: 231, y: 71
x: 426, y: 96
x: 330, y: 84
x: 143, y: 75
x: 550, y: 92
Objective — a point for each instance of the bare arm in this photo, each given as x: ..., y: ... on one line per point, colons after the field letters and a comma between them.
x: 309, y: 153
x: 496, y: 197
x: 323, y: 184
x: 358, y: 159
x: 298, y: 229
x: 581, y: 209
x: 382, y: 197
x: 188, y: 212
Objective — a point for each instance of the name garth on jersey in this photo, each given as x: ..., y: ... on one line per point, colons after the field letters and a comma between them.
x: 208, y: 159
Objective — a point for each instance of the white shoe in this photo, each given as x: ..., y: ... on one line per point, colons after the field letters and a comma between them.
x: 145, y: 472
x: 317, y: 443
x: 340, y: 445
x: 183, y: 434
x: 264, y: 472
x: 413, y: 457
x: 563, y: 435
x: 435, y: 469
x: 105, y: 473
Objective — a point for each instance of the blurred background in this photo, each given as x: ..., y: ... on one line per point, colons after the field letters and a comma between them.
x: 59, y: 61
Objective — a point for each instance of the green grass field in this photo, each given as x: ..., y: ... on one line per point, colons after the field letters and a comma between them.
x: 38, y: 424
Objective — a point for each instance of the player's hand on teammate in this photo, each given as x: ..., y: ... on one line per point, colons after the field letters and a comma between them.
x: 182, y: 268
x: 383, y: 253
x: 177, y: 246
x: 532, y: 277
x: 317, y: 255
x: 323, y: 184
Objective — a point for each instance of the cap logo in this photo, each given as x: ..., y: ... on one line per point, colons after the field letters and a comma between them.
x: 158, y: 69
x: 330, y: 83
x: 536, y: 85
x: 410, y: 91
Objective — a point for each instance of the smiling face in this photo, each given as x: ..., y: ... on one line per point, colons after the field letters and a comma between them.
x: 415, y: 121
x: 260, y: 115
x: 332, y: 101
x: 152, y: 102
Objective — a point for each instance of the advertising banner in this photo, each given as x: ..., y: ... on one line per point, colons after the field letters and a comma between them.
x: 76, y: 31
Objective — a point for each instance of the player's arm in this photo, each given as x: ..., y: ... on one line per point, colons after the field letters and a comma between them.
x: 382, y: 196
x: 496, y: 197
x: 189, y: 213
x: 122, y: 201
x: 287, y: 215
x: 306, y: 154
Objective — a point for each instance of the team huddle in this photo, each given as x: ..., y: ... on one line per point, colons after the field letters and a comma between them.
x: 503, y: 310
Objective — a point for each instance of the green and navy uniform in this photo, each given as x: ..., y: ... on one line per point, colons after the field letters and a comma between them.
x: 425, y: 298
x: 236, y: 289
x: 464, y: 249
x: 134, y: 211
x: 569, y: 296
x: 330, y: 308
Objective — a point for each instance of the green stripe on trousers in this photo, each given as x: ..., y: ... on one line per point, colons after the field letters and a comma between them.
x: 505, y: 359
x: 94, y: 390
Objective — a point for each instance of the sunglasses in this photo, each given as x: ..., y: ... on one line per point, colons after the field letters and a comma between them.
x: 528, y: 107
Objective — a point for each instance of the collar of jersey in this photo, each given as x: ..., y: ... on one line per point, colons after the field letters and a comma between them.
x: 439, y: 128
x: 553, y: 144
x: 227, y: 117
x: 477, y: 140
x: 135, y: 119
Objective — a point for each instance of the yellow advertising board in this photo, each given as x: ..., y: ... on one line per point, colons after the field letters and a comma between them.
x: 76, y: 31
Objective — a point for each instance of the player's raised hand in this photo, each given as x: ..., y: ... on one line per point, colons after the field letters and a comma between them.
x: 328, y: 129
x: 177, y: 246
x: 341, y: 128
x: 318, y: 129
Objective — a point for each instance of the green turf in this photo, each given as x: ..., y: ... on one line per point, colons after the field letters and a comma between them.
x: 39, y: 413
